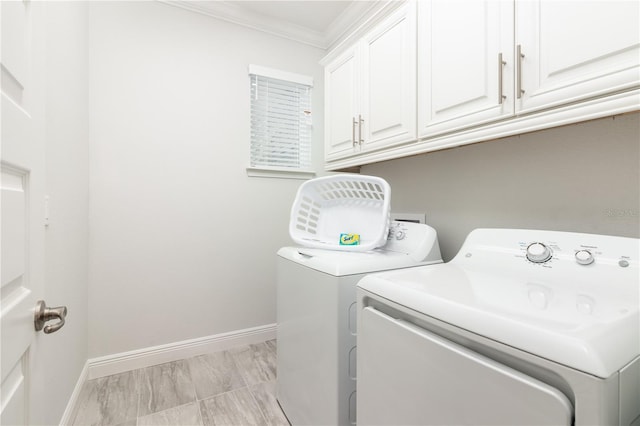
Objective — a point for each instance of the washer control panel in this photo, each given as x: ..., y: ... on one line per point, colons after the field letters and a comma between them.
x: 415, y: 239
x: 398, y: 230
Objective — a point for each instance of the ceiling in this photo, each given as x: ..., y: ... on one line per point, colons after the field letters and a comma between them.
x: 315, y: 15
x: 315, y: 22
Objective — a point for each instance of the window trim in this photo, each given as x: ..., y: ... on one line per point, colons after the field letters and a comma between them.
x: 281, y: 75
x: 280, y: 172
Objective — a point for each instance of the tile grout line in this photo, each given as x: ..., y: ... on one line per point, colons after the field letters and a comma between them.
x: 259, y: 407
x: 138, y: 384
x: 167, y: 409
x: 193, y: 385
x: 223, y: 393
x: 262, y: 382
x: 195, y: 391
x: 235, y: 363
x: 199, y: 412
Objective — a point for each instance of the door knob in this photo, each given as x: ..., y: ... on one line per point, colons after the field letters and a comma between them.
x: 44, y: 314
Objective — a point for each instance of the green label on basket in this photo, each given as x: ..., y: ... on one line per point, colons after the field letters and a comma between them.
x: 349, y: 239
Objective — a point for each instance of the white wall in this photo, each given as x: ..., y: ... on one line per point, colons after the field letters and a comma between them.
x: 581, y: 178
x: 67, y: 159
x: 182, y: 242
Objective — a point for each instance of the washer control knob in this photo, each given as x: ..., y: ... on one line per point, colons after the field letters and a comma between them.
x: 584, y: 257
x: 538, y: 253
x: 400, y: 234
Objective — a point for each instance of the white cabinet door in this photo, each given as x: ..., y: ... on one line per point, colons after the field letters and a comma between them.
x: 388, y: 101
x: 341, y: 107
x: 461, y: 78
x: 576, y: 50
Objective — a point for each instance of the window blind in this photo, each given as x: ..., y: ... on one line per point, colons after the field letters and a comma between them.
x: 280, y: 123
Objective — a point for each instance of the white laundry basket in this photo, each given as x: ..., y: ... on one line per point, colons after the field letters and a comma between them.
x: 326, y: 208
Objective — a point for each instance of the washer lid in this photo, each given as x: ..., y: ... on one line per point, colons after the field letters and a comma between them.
x: 584, y: 317
x: 340, y: 263
x: 409, y: 244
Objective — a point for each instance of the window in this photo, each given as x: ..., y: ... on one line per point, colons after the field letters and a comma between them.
x: 280, y: 121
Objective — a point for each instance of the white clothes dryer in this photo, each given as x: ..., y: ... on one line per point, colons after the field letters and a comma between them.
x: 522, y: 327
x: 316, y: 334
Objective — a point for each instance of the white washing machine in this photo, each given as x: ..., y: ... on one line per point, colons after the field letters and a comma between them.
x: 317, y: 320
x: 521, y: 328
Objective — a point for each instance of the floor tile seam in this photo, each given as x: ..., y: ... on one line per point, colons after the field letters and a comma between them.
x: 262, y: 382
x: 262, y: 413
x: 167, y: 409
x: 199, y: 408
x: 141, y: 382
x: 223, y: 393
x: 138, y: 374
x: 188, y: 365
x: 180, y: 364
x: 237, y: 365
x: 239, y: 368
x: 234, y: 365
x: 193, y: 385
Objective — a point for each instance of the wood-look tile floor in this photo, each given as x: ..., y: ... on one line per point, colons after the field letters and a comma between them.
x: 234, y: 387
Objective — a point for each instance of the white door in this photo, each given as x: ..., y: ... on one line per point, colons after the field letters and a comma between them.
x: 388, y: 101
x: 341, y: 114
x: 22, y: 207
x: 576, y: 50
x: 465, y: 64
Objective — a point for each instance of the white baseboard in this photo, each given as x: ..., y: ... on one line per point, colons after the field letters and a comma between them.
x: 146, y: 357
x: 68, y: 412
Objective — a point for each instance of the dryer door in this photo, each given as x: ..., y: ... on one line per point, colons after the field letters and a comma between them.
x: 410, y: 376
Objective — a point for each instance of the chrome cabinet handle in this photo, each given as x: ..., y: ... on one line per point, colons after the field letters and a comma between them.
x: 353, y: 131
x: 519, y: 55
x: 501, y: 64
x: 360, y: 121
x: 44, y: 314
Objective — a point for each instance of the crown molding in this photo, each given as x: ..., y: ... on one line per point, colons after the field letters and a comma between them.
x: 365, y: 22
x: 232, y: 11
x: 351, y: 19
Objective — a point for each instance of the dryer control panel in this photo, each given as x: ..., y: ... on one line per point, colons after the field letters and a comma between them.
x: 550, y: 249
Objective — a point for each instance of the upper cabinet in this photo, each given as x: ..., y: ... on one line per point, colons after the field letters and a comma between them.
x: 465, y: 64
x: 370, y: 89
x: 481, y: 69
x: 571, y: 51
x: 341, y: 104
x: 388, y: 100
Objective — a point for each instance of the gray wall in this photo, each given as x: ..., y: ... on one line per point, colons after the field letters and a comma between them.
x: 182, y: 242
x: 581, y: 178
